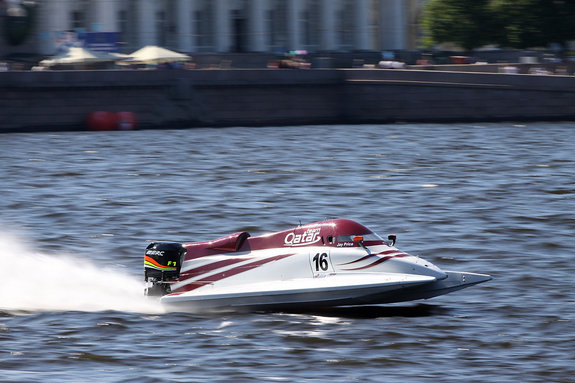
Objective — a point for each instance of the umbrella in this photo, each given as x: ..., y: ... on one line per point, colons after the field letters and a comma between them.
x: 153, y: 54
x: 78, y: 55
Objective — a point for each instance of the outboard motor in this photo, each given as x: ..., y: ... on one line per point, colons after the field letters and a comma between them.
x: 162, y: 264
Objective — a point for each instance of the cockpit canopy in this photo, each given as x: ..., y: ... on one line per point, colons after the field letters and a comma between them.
x: 366, y: 237
x: 334, y: 233
x: 351, y: 233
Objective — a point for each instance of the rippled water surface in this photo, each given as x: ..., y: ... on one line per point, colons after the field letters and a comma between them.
x: 77, y: 210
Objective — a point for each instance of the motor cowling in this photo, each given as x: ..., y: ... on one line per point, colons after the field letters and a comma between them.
x: 162, y: 264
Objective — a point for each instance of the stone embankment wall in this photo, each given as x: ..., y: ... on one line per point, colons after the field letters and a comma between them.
x: 61, y: 100
x: 410, y: 95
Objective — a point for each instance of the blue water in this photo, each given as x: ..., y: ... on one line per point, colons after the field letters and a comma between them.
x: 77, y: 209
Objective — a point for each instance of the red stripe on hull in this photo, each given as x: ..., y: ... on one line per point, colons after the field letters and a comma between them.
x: 369, y: 256
x: 380, y: 260
x: 226, y: 274
x: 210, y: 267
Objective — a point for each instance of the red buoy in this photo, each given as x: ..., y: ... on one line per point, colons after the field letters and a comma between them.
x: 125, y: 121
x: 101, y: 120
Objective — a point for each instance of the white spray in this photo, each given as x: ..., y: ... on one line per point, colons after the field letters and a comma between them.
x: 31, y: 281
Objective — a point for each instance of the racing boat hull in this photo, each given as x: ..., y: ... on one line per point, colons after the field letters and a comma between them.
x: 321, y: 293
x: 325, y: 264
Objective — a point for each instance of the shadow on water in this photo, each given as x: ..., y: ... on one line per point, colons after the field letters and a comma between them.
x: 350, y: 312
x: 371, y: 312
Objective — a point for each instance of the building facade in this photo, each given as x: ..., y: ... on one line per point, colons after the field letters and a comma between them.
x: 223, y: 26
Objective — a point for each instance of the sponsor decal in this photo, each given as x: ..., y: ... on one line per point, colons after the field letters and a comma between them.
x: 152, y: 263
x: 157, y: 253
x: 308, y: 237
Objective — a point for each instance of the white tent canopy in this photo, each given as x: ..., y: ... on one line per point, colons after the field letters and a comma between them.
x: 78, y: 55
x: 154, y: 54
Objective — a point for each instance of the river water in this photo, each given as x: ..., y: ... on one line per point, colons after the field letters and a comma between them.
x: 78, y: 208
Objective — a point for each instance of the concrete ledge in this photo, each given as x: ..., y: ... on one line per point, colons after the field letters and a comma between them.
x: 61, y: 100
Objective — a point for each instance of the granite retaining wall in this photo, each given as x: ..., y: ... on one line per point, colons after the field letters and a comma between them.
x: 61, y: 100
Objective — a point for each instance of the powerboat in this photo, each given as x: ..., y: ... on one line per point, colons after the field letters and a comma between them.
x: 325, y: 264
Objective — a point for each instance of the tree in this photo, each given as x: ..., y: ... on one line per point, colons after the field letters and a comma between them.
x: 508, y: 23
x: 463, y: 22
x: 535, y: 23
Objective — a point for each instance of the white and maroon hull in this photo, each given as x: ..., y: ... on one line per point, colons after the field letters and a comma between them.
x: 326, y: 264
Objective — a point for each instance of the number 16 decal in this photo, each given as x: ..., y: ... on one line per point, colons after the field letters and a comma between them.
x: 320, y: 262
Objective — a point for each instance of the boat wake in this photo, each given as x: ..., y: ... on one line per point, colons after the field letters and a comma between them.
x: 34, y: 282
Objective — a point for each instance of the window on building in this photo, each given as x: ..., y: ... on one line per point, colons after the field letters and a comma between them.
x: 311, y: 22
x: 123, y: 27
x: 78, y: 20
x: 131, y: 24
x: 203, y: 24
x: 277, y: 26
x: 239, y: 31
x: 161, y: 28
x: 345, y: 25
x: 171, y: 23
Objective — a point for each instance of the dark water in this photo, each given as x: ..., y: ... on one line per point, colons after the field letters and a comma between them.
x: 77, y: 209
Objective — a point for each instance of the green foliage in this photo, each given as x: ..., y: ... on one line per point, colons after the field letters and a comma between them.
x: 507, y: 23
x: 533, y: 23
x: 456, y: 21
